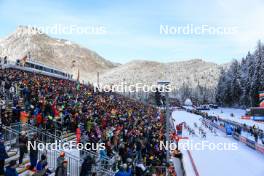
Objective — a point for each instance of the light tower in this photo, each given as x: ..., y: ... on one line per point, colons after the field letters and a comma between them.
x: 167, y: 135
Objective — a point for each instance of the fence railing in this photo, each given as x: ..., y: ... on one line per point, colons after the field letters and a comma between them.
x: 42, y: 135
x: 10, y: 137
x: 74, y: 163
x: 103, y: 165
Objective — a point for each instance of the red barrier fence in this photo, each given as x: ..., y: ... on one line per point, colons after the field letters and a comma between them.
x: 260, y: 148
x: 193, y: 164
x: 248, y: 142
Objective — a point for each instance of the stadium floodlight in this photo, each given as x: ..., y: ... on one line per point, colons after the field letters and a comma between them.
x: 167, y: 116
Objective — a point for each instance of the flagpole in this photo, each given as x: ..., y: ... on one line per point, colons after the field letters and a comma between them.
x: 98, y: 74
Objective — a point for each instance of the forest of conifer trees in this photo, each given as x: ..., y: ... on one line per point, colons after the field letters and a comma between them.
x: 239, y: 85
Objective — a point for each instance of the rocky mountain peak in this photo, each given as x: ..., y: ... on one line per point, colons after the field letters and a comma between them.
x: 26, y: 31
x: 51, y: 51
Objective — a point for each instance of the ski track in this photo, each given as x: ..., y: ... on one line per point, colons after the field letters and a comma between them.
x: 243, y: 162
x: 238, y: 113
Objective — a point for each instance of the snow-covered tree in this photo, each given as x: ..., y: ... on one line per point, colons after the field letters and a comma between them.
x: 240, y: 84
x: 235, y: 86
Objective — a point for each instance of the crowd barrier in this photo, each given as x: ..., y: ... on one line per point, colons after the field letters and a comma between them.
x: 252, y: 144
x: 193, y: 163
x: 74, y: 162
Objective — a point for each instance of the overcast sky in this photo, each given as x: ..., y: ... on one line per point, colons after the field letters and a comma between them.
x: 131, y: 29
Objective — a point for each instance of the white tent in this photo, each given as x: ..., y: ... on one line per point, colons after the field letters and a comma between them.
x: 188, y: 102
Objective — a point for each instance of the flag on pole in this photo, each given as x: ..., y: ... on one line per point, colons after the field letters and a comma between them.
x: 24, y: 60
x: 73, y: 63
x: 179, y: 129
x: 261, y: 99
x: 78, y: 80
x: 78, y: 76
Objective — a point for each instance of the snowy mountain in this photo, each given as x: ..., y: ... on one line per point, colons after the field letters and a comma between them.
x: 58, y: 53
x: 192, y: 73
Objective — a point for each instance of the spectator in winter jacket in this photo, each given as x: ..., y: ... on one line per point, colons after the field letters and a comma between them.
x: 42, y: 167
x: 11, y: 169
x: 23, y: 140
x: 41, y: 164
x: 123, y: 171
x: 16, y: 114
x: 87, y: 165
x: 140, y: 168
x: 62, y: 169
x: 60, y: 159
x: 3, y: 156
x: 44, y: 172
x: 103, y: 154
x: 33, y: 154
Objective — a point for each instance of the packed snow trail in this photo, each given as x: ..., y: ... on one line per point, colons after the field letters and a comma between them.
x: 243, y: 162
x: 225, y: 113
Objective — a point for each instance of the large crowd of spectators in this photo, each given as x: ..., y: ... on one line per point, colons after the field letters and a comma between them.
x: 130, y: 130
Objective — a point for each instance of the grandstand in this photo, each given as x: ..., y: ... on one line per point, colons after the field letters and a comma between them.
x: 32, y: 65
x: 48, y: 105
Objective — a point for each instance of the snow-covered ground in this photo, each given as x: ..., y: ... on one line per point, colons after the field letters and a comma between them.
x: 188, y: 107
x: 243, y: 162
x: 225, y: 113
